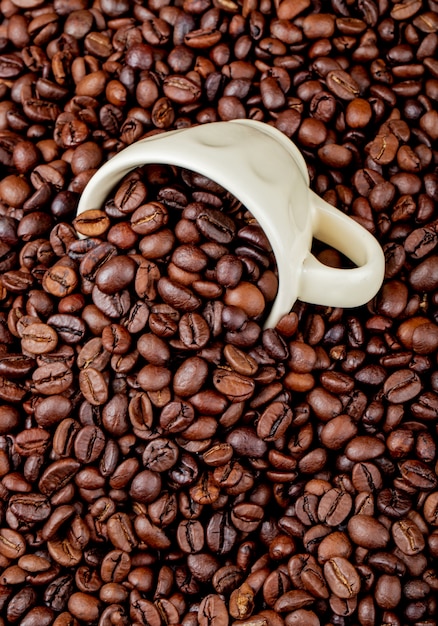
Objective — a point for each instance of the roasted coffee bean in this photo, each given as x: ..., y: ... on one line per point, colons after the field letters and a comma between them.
x: 52, y: 378
x: 190, y: 376
x: 334, y: 507
x: 402, y: 385
x: 212, y: 609
x: 69, y: 328
x: 193, y: 330
x: 367, y: 532
x: 39, y: 338
x: 388, y: 591
x: 89, y: 444
x: 121, y: 533
x: 20, y: 604
x: 418, y: 475
x: 93, y: 386
x: 116, y: 274
x: 12, y: 543
x: 57, y: 475
x: 60, y: 281
x: 342, y: 577
x: 408, y: 537
x: 92, y: 223
x: 84, y: 606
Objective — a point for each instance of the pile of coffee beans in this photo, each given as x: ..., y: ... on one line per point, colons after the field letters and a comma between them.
x: 164, y: 459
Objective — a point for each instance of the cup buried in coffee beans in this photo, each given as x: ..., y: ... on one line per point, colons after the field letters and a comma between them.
x: 164, y: 459
x: 266, y: 171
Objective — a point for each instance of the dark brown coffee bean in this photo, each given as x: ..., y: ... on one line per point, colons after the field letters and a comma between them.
x: 57, y: 475
x: 342, y: 85
x: 60, y: 281
x: 32, y: 441
x: 58, y: 517
x: 121, y: 533
x: 153, y: 377
x: 424, y: 276
x: 52, y: 378
x: 149, y: 218
x: 130, y: 195
x: 39, y: 339
x: 146, y: 486
x: 193, y: 330
x: 116, y: 274
x: 402, y: 385
x: 115, y: 566
x: 70, y: 328
x: 334, y: 507
x: 342, y: 577
x: 89, y: 444
x: 364, y: 448
x: 190, y: 377
x: 190, y: 536
x: 20, y: 604
x: 274, y: 421
x: 16, y: 365
x: 246, y: 515
x: 388, y: 591
x: 93, y: 355
x: 177, y: 295
x: 116, y: 339
x: 93, y: 386
x: 181, y: 89
x: 92, y: 223
x: 408, y: 537
x: 367, y: 532
x: 12, y: 543
x: 84, y: 606
x: 212, y: 609
x: 246, y: 443
x: 235, y: 387
x: 418, y: 475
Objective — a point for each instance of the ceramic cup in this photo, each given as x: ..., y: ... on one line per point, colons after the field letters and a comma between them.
x: 263, y: 169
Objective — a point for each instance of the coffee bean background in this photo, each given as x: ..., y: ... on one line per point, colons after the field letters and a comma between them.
x: 164, y: 460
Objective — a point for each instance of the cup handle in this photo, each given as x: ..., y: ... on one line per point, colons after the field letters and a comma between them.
x: 330, y: 286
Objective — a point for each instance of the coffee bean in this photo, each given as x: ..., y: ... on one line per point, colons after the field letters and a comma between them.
x: 57, y: 475
x: 334, y: 544
x: 121, y: 533
x: 84, y: 606
x: 402, y: 385
x: 52, y: 378
x: 39, y: 338
x: 94, y: 355
x: 368, y: 532
x: 69, y: 328
x: 418, y: 474
x: 91, y: 223
x: 16, y: 366
x: 334, y: 507
x: 177, y: 295
x: 89, y: 443
x: 60, y: 281
x: 20, y: 604
x: 407, y: 537
x: 93, y: 386
x: 116, y: 274
x: 342, y: 577
x: 388, y: 591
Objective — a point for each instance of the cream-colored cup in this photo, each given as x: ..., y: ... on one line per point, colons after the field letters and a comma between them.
x: 263, y: 169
